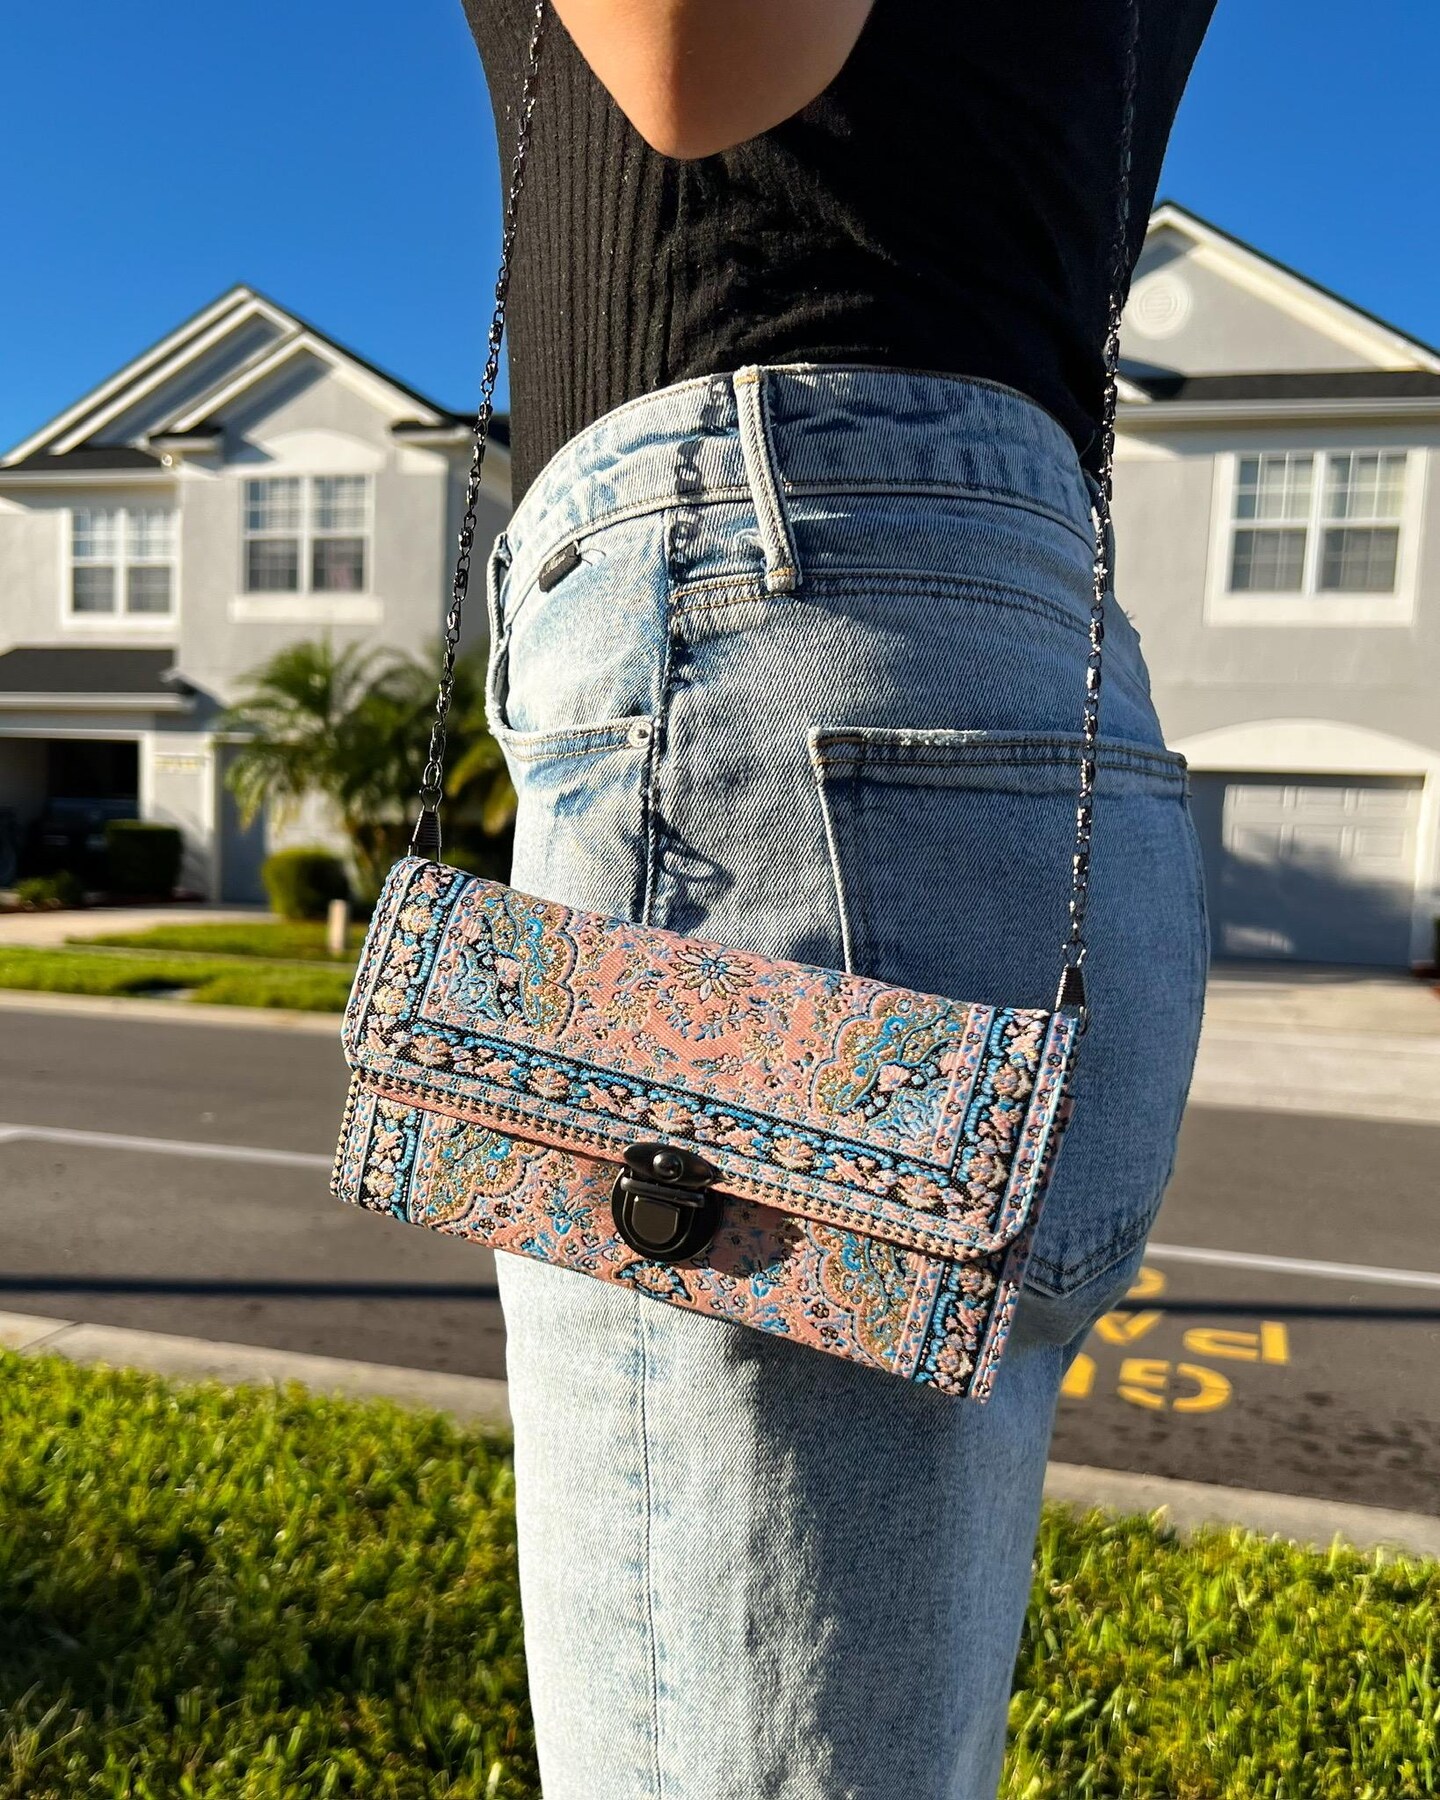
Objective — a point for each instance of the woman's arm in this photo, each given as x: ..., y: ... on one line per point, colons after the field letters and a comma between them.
x: 696, y: 76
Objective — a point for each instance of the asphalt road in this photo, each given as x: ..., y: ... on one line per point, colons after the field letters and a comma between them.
x: 1249, y: 1375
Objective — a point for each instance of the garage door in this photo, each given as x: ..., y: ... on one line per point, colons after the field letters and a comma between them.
x: 1316, y: 868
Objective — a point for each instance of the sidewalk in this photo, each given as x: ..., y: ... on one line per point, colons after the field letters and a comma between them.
x: 1274, y: 997
x: 34, y: 928
x: 1264, y: 997
x: 1355, y: 1042
x: 1349, y: 1043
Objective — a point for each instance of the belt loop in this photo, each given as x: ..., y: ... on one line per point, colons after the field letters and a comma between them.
x: 757, y: 445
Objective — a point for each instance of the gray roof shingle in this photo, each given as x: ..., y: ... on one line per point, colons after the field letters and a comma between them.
x: 87, y: 669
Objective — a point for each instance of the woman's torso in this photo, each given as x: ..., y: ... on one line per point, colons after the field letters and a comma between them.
x: 945, y: 204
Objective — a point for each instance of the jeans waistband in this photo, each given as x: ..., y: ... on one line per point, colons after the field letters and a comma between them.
x: 773, y: 432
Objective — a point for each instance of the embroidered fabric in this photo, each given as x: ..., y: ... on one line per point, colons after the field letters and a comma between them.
x: 880, y: 1152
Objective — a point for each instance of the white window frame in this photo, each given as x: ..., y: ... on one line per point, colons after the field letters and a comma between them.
x: 1313, y: 605
x: 306, y: 535
x: 118, y: 620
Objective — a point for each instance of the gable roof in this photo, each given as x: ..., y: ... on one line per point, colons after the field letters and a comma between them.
x: 238, y: 341
x: 1383, y: 344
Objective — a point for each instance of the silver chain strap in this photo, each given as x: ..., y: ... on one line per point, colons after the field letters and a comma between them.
x: 1071, y: 996
x: 425, y: 840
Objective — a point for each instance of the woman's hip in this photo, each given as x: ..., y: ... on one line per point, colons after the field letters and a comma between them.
x: 834, y: 716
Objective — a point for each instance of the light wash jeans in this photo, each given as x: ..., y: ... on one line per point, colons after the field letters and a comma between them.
x: 752, y: 1571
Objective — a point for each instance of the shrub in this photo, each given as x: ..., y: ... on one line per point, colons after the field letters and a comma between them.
x: 141, y: 857
x: 302, y: 882
x: 490, y: 858
x: 46, y: 893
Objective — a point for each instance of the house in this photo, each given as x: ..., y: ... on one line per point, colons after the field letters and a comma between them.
x: 244, y: 483
x: 1277, y: 505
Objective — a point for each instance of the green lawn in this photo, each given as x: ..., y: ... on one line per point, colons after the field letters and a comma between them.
x: 272, y: 938
x: 215, y: 1595
x: 243, y: 1595
x: 220, y: 980
x: 1225, y: 1665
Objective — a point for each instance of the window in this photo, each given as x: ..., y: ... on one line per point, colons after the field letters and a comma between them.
x: 1307, y: 522
x: 122, y: 561
x: 307, y: 534
x: 1360, y: 545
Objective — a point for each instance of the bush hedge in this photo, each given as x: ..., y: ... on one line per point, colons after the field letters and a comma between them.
x: 301, y: 882
x: 141, y: 857
x: 47, y: 893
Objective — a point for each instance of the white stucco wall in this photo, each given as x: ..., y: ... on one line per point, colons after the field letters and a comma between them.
x: 1195, y: 309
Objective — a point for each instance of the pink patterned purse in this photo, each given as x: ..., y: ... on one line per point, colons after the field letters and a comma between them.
x: 850, y: 1164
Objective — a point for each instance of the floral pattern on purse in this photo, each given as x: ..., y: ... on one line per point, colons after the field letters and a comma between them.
x: 849, y: 1164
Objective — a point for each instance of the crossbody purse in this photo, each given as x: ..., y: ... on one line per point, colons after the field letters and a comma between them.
x: 850, y: 1164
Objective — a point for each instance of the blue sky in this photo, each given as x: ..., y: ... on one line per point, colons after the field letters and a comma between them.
x: 341, y: 157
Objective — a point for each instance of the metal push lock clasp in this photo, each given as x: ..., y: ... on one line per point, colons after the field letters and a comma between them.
x: 663, y: 1204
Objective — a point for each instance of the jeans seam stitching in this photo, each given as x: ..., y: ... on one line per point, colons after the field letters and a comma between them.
x: 590, y: 740
x: 650, y: 808
x: 723, y: 493
x: 1152, y: 779
x: 832, y: 847
x: 948, y: 490
x: 648, y: 1502
x: 863, y: 933
x: 1067, y: 1277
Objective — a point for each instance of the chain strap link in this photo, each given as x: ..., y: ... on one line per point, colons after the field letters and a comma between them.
x: 425, y: 840
x: 1071, y: 996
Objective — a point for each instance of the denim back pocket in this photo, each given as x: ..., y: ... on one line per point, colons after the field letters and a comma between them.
x: 951, y: 858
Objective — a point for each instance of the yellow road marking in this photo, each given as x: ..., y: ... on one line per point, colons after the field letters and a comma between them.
x: 1144, y: 1381
x: 1271, y: 1343
x: 1079, y: 1382
x: 1212, y: 1390
x: 1148, y: 1284
x: 1126, y: 1327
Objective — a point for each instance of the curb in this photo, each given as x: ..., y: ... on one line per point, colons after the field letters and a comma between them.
x: 172, y: 1012
x: 1191, y: 1505
x: 470, y: 1398
x: 475, y: 1399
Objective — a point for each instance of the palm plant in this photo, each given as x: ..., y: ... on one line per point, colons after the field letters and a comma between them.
x: 353, y: 725
x: 477, y: 781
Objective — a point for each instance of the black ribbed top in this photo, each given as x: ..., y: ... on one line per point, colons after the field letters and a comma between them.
x: 945, y: 204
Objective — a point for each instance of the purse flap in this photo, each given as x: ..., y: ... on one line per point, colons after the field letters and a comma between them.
x: 910, y: 1117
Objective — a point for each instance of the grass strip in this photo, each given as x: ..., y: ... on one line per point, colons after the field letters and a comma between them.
x: 251, y: 1595
x: 222, y: 981
x: 257, y: 1595
x: 277, y: 938
x: 1223, y: 1666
